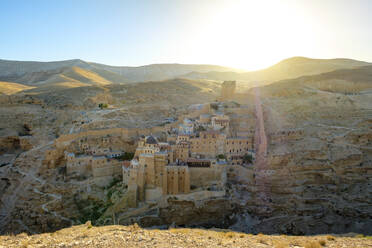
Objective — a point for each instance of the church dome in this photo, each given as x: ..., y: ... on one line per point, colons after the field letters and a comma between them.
x: 151, y: 140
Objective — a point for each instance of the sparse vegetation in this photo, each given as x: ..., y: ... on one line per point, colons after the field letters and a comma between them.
x: 330, y: 238
x: 126, y: 156
x: 214, y: 106
x: 221, y: 156
x: 200, y: 129
x: 90, y: 210
x: 247, y: 158
x: 322, y: 242
x: 103, y: 105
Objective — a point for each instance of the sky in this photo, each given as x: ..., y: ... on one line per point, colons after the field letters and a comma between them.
x: 246, y: 34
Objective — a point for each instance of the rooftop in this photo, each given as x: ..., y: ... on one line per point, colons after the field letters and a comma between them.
x: 151, y: 140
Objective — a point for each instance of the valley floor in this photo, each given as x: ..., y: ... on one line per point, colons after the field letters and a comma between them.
x: 134, y: 236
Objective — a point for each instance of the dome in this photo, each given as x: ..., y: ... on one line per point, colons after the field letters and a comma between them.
x: 151, y: 140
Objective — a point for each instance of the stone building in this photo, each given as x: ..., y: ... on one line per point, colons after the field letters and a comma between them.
x: 151, y: 177
x: 220, y: 121
x: 147, y: 145
x: 208, y: 144
x: 187, y: 127
x: 228, y: 90
x: 102, y: 169
x: 238, y: 146
x: 78, y: 164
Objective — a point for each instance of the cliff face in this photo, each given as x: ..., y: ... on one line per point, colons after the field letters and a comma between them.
x: 315, y: 171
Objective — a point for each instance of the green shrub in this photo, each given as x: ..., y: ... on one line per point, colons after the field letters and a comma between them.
x: 126, y: 156
x: 102, y: 105
x: 220, y: 156
x: 247, y: 158
x: 214, y: 106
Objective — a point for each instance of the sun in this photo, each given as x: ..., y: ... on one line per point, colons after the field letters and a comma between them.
x: 252, y: 34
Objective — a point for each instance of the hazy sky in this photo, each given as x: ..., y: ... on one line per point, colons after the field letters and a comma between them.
x: 243, y: 34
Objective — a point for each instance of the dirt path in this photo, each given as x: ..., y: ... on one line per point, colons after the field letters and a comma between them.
x: 260, y: 164
x: 56, y: 197
x: 26, y: 181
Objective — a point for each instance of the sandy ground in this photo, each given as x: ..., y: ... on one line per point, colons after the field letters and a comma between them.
x: 134, y: 236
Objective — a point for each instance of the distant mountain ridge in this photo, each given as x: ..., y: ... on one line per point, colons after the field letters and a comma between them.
x: 29, y: 72
x: 156, y: 72
x: 50, y: 76
x: 289, y: 68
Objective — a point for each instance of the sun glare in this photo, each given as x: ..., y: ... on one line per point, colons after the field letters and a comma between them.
x: 253, y: 34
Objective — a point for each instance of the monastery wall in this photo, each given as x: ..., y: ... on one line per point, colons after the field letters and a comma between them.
x: 285, y: 135
x: 124, y: 133
x: 106, y: 167
x: 80, y: 165
x: 205, y: 176
x: 238, y: 146
x: 154, y: 194
x: 178, y: 180
x: 201, y: 195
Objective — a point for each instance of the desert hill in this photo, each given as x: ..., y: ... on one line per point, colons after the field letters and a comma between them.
x: 12, y: 88
x: 289, y: 68
x: 158, y: 72
x: 343, y: 81
x: 50, y: 76
x: 36, y: 73
x: 65, y: 86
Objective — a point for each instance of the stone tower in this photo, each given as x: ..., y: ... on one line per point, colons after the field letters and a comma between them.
x: 228, y: 90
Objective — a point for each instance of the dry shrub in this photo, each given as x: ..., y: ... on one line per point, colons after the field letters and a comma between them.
x: 88, y: 224
x: 280, y: 244
x: 262, y: 241
x: 229, y: 235
x: 24, y: 244
x: 313, y: 244
x: 330, y: 237
x: 322, y: 242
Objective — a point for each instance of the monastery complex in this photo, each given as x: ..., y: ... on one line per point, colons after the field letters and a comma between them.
x: 187, y: 157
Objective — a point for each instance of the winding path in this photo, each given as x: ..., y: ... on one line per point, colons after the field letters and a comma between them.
x: 25, y: 182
